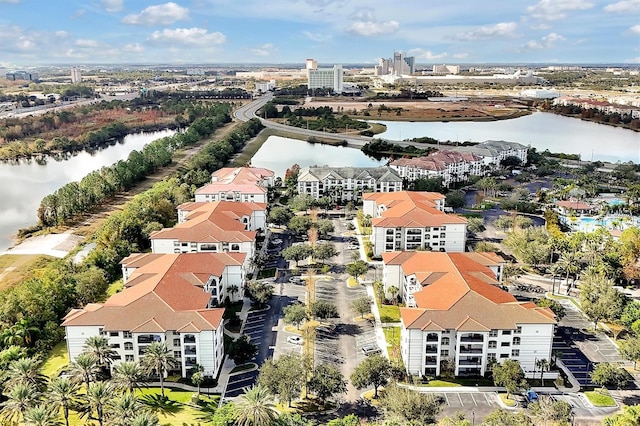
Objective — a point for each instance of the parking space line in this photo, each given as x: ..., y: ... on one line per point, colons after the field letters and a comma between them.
x: 460, y: 398
x: 474, y: 400
x: 447, y: 399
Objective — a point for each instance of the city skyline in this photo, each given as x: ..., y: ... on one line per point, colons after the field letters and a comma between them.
x: 36, y: 32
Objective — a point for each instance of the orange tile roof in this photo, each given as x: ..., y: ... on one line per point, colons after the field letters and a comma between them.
x: 241, y: 175
x: 461, y: 293
x: 164, y: 292
x: 408, y: 208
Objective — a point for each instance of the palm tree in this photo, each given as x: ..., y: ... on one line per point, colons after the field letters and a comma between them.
x: 256, y: 407
x: 128, y: 375
x: 41, y: 415
x: 393, y: 291
x: 19, y: 334
x: 123, y: 409
x: 197, y: 379
x: 145, y: 419
x: 543, y: 365
x: 99, y: 347
x: 63, y: 392
x: 569, y: 262
x: 98, y: 397
x: 26, y: 371
x: 158, y: 359
x: 233, y: 289
x: 21, y: 397
x: 84, y: 369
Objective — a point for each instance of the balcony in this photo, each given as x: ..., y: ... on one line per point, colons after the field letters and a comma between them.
x: 472, y: 338
x: 190, y: 361
x: 470, y: 362
x: 431, y: 360
x: 431, y: 349
x: 149, y: 338
x: 189, y: 338
x: 468, y: 350
x: 190, y: 350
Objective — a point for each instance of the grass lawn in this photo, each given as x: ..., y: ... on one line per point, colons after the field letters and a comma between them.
x: 392, y: 336
x: 352, y: 282
x: 509, y: 402
x: 389, y: 313
x: 57, y: 358
x: 441, y: 384
x: 114, y: 288
x: 15, y: 267
x: 599, y: 398
x: 182, y: 412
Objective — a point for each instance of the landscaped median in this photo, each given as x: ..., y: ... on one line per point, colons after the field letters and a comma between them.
x: 600, y: 398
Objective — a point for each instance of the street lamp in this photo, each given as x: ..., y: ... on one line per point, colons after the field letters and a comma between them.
x: 473, y: 418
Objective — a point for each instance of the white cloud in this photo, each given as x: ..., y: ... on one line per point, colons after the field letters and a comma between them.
x: 86, y: 43
x: 461, y: 55
x: 624, y: 6
x: 427, y: 54
x: 133, y: 47
x: 113, y: 5
x: 317, y: 37
x: 186, y: 36
x: 371, y: 28
x: 499, y: 30
x: 163, y: 14
x: 635, y: 29
x: 266, y: 49
x: 545, y: 42
x: 552, y: 10
x: 61, y: 34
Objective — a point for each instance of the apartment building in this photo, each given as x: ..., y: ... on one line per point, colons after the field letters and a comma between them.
x: 347, y: 183
x: 450, y: 166
x: 326, y: 78
x: 222, y: 226
x: 240, y: 184
x: 462, y: 318
x: 166, y: 298
x: 413, y: 221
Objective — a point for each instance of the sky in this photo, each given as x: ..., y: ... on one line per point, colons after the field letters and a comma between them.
x: 40, y: 32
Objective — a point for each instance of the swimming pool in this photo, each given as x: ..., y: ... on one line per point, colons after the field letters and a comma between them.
x: 590, y: 224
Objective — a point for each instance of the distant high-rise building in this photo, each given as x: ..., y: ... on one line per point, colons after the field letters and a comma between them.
x: 326, y: 78
x: 403, y: 65
x: 22, y: 75
x: 446, y: 69
x: 311, y: 64
x: 76, y: 76
x: 383, y: 66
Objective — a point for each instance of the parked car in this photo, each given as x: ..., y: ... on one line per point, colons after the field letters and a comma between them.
x: 326, y: 328
x: 295, y: 280
x: 276, y: 241
x: 296, y: 340
x: 371, y: 349
x: 353, y: 247
x: 532, y: 396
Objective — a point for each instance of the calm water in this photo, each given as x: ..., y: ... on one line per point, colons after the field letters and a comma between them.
x: 540, y: 130
x: 30, y: 181
x: 279, y: 154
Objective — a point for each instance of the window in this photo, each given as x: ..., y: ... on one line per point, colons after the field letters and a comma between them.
x: 504, y: 355
x: 493, y: 344
x: 493, y: 333
x: 506, y: 332
x: 443, y: 235
x: 505, y: 344
x: 445, y: 341
x: 128, y: 358
x: 515, y: 352
x: 128, y: 346
x: 518, y: 330
x: 127, y: 334
x: 444, y: 352
x: 235, y: 247
x: 516, y: 341
x: 177, y: 354
x: 114, y: 333
x: 491, y: 357
x: 176, y: 342
x: 115, y: 345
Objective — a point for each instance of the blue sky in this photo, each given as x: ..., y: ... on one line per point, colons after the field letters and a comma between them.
x: 34, y: 32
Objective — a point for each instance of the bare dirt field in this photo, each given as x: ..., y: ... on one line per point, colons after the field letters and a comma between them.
x: 477, y: 110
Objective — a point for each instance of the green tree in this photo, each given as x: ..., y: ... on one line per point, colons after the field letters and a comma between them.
x: 324, y: 250
x: 606, y: 374
x: 128, y: 375
x: 361, y: 305
x: 629, y: 416
x: 503, y: 417
x: 122, y: 409
x: 280, y: 215
x: 85, y: 369
x: 510, y: 375
x: 197, y: 379
x: 374, y: 370
x: 299, y: 224
x: 554, y: 305
x: 357, y: 268
x: 20, y: 398
x: 41, y: 415
x: 301, y: 202
x: 292, y: 419
x: 455, y: 199
x: 283, y: 377
x: 64, y: 394
x: 100, y: 348
x: 25, y: 371
x: 599, y: 300
x: 350, y: 420
x: 630, y: 349
x: 259, y: 292
x: 324, y: 226
x: 411, y: 406
x: 99, y: 395
x: 145, y: 419
x: 225, y: 415
x: 326, y: 382
x: 546, y: 409
x: 542, y: 365
x: 242, y: 350
x: 297, y: 252
x: 256, y: 408
x: 91, y: 285
x: 158, y: 360
x: 295, y: 314
x: 323, y: 310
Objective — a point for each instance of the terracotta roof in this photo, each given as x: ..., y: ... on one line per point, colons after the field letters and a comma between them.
x: 437, y: 160
x: 461, y: 293
x: 241, y: 175
x: 574, y: 205
x: 407, y: 209
x: 164, y: 292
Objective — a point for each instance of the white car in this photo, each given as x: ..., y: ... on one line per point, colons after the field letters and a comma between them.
x: 353, y: 247
x: 371, y: 349
x: 296, y: 340
x: 277, y: 241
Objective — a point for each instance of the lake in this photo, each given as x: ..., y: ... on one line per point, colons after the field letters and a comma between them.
x: 279, y: 154
x: 31, y: 181
x: 540, y: 130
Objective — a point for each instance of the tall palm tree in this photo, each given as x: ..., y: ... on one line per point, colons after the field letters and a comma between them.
x: 85, y: 369
x: 26, y: 371
x: 122, y: 409
x: 99, y: 396
x: 256, y: 407
x: 158, y: 359
x: 41, y: 415
x: 19, y: 334
x: 145, y: 419
x: 128, y: 375
x: 64, y: 393
x: 21, y: 397
x: 543, y: 365
x: 99, y: 347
